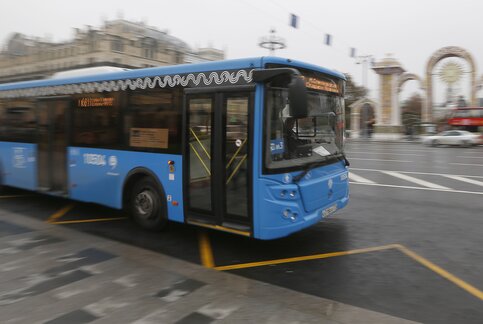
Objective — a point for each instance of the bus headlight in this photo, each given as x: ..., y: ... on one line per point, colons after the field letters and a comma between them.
x: 288, y: 214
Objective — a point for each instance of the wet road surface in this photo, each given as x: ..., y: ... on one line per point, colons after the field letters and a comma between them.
x: 409, y: 244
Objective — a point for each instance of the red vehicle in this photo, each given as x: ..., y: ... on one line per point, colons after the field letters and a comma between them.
x: 467, y: 118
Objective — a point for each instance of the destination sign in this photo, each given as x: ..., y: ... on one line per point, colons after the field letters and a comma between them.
x: 95, y: 102
x: 316, y: 84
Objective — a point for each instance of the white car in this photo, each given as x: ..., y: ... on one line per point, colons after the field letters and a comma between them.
x: 453, y: 137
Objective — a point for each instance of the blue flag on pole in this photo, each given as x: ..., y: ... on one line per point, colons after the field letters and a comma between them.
x: 294, y: 21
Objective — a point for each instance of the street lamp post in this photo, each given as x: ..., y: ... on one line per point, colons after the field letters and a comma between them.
x: 364, y: 60
x: 272, y: 42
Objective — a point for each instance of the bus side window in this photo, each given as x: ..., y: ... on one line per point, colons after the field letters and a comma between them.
x: 152, y: 120
x: 3, y: 122
x: 18, y: 120
x: 96, y: 120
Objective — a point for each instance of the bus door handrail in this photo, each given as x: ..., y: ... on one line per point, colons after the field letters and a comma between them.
x: 201, y: 160
x: 199, y: 142
x: 236, y: 153
x: 236, y: 168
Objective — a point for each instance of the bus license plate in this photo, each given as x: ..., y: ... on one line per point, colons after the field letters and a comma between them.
x: 326, y: 212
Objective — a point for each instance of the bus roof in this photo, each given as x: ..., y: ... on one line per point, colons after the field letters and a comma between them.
x: 247, y: 63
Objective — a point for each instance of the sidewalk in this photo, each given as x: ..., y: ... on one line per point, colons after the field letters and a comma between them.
x: 52, y: 274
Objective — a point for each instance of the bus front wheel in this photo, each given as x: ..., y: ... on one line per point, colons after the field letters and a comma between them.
x: 146, y: 205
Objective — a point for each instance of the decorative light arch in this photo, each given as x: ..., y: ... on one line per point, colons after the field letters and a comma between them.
x: 356, y: 114
x: 405, y: 77
x: 445, y: 52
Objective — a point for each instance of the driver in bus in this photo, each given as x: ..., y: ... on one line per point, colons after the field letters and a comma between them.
x: 294, y: 146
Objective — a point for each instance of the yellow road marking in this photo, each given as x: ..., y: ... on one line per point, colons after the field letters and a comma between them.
x: 443, y: 273
x: 401, y: 248
x: 60, y: 213
x: 88, y: 220
x: 304, y: 258
x: 205, y: 250
x: 219, y: 228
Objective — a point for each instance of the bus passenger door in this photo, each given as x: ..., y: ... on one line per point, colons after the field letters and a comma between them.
x: 52, y: 144
x: 199, y: 152
x: 217, y: 159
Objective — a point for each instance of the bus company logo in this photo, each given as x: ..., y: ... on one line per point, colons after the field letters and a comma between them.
x: 95, y: 159
x: 287, y: 178
x: 330, y: 183
x: 19, y: 160
x: 74, y: 151
x: 112, y: 162
x: 343, y: 176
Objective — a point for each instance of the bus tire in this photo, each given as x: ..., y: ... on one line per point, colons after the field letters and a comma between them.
x: 147, y: 207
x: 435, y: 143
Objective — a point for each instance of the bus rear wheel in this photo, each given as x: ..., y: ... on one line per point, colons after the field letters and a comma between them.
x: 147, y: 206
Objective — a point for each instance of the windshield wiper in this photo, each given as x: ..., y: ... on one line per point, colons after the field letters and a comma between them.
x: 310, y: 166
x: 342, y: 157
x: 307, y: 168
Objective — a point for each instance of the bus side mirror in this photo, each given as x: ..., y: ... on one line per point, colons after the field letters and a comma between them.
x: 297, y: 92
x: 297, y: 97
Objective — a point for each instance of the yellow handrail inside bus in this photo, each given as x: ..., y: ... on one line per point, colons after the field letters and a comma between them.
x: 236, y: 153
x: 201, y: 160
x: 199, y: 142
x: 236, y: 168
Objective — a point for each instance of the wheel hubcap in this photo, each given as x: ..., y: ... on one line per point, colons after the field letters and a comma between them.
x: 144, y: 204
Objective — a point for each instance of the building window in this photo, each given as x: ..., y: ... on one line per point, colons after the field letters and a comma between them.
x: 117, y: 44
x: 149, y: 48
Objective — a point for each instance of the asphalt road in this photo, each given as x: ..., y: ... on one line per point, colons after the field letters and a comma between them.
x: 409, y: 244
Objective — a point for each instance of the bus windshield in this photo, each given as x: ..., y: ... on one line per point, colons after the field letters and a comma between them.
x: 296, y: 142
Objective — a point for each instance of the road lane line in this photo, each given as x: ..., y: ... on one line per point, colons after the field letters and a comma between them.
x: 443, y: 273
x: 206, y: 253
x: 386, y: 153
x: 429, y: 149
x: 415, y: 180
x: 468, y: 164
x: 454, y: 177
x: 414, y: 172
x: 418, y: 188
x: 381, y: 160
x: 87, y: 220
x: 60, y: 213
x: 304, y: 258
x: 357, y: 178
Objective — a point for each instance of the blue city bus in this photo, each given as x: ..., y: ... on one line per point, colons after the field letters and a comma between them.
x: 248, y: 146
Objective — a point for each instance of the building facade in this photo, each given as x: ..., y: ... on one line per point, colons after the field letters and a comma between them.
x: 118, y: 43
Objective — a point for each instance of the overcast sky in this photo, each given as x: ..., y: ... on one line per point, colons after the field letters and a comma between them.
x: 411, y: 30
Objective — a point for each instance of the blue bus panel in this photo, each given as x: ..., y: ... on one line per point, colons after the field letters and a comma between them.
x: 18, y: 167
x: 98, y: 176
x: 285, y: 207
